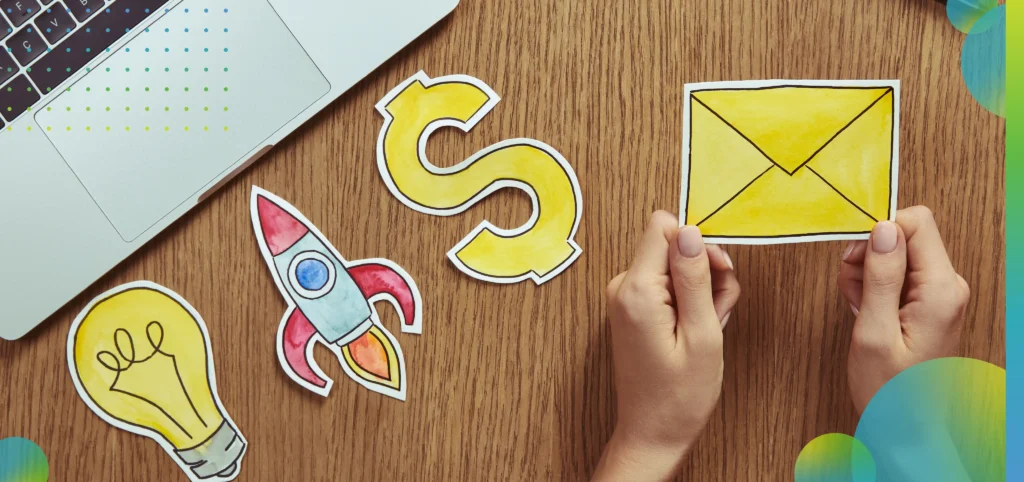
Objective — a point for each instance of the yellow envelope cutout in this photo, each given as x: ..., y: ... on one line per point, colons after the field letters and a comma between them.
x: 787, y: 162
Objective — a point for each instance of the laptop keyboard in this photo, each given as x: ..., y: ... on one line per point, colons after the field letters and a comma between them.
x: 45, y: 42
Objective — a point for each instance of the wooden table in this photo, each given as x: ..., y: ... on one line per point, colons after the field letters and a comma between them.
x: 514, y: 382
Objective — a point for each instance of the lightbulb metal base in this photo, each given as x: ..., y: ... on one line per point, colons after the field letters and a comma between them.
x: 218, y: 455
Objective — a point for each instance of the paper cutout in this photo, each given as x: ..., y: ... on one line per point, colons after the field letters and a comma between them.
x: 782, y: 161
x: 140, y: 358
x: 331, y: 301
x: 540, y: 249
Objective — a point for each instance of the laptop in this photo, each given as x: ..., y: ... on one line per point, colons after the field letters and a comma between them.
x: 117, y: 117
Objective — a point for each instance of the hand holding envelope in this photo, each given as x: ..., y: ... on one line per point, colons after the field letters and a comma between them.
x: 789, y: 161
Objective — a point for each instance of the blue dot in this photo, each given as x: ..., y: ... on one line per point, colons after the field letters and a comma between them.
x: 312, y: 274
x: 206, y: 10
x: 225, y: 10
x: 186, y: 30
x: 225, y: 30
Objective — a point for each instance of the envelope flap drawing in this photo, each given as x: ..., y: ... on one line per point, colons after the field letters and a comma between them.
x: 789, y: 161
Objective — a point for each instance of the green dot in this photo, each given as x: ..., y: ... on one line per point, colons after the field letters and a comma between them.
x: 127, y: 109
x: 167, y: 89
x: 68, y: 109
x: 108, y: 89
x: 147, y: 89
x: 88, y: 109
x: 88, y: 89
x: 87, y: 128
x: 69, y: 128
x: 186, y: 69
x: 127, y: 89
x: 225, y: 89
x: 147, y: 109
x: 108, y: 69
x: 206, y: 108
x: 186, y: 109
x: 108, y: 108
x: 126, y: 128
x: 167, y: 109
x: 225, y: 69
x: 206, y: 69
x: 186, y: 128
x: 47, y: 109
x: 147, y: 69
x: 225, y: 128
x: 186, y: 89
x: 225, y: 109
x: 167, y: 69
x: 126, y: 69
x: 206, y: 89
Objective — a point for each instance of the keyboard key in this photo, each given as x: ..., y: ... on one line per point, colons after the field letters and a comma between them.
x: 19, y: 11
x: 5, y: 28
x: 7, y: 66
x: 55, y: 23
x: 84, y: 9
x: 90, y: 40
x: 26, y: 45
x: 17, y: 97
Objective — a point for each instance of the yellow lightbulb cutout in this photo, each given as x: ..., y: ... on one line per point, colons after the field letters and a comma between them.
x: 140, y: 357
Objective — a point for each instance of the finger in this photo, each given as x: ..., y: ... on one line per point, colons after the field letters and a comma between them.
x: 691, y: 280
x: 885, y: 266
x: 652, y: 255
x: 851, y: 285
x: 613, y: 286
x: 925, y: 251
x: 725, y: 291
x: 855, y: 251
x: 719, y: 259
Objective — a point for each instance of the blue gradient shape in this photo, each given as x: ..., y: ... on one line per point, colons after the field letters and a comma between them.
x: 983, y: 61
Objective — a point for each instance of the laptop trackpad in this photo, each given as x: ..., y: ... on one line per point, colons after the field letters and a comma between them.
x: 178, y: 105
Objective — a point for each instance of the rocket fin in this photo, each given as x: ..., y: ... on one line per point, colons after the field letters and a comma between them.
x: 381, y: 279
x: 295, y: 342
x: 375, y: 361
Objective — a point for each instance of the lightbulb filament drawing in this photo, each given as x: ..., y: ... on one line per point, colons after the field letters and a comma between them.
x: 126, y: 349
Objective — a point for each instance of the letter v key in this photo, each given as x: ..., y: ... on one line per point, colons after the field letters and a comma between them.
x: 51, y: 22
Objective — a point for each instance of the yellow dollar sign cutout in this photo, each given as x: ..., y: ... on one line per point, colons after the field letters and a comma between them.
x: 538, y: 250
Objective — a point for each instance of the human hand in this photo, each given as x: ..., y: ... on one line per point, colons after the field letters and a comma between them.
x: 666, y: 317
x: 908, y: 299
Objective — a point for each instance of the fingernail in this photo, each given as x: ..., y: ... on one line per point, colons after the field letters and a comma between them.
x: 849, y: 249
x: 884, y: 237
x: 725, y: 320
x: 690, y: 241
x: 854, y: 309
x: 728, y: 261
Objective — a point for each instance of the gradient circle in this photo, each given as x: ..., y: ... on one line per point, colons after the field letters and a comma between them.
x: 983, y: 61
x: 21, y: 460
x: 943, y: 419
x: 964, y: 13
x: 834, y: 457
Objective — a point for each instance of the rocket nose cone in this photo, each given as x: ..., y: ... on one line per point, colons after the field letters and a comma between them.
x: 281, y: 230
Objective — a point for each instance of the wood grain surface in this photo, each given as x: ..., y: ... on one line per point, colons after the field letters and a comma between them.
x: 514, y: 382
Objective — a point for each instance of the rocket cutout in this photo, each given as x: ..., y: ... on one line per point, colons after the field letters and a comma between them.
x: 331, y: 301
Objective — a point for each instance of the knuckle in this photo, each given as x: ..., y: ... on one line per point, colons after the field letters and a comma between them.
x: 884, y: 283
x: 660, y: 218
x: 612, y: 290
x: 871, y: 343
x: 923, y: 213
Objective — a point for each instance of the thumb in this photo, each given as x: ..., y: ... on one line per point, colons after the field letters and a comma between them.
x: 885, y: 266
x: 691, y: 279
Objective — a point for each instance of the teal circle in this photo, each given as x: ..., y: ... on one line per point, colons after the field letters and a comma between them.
x: 963, y: 13
x: 21, y: 460
x: 943, y: 419
x: 983, y: 61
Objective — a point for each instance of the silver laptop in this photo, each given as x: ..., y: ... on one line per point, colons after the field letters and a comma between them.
x: 118, y: 117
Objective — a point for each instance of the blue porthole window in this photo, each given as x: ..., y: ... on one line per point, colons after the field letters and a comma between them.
x: 311, y: 274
